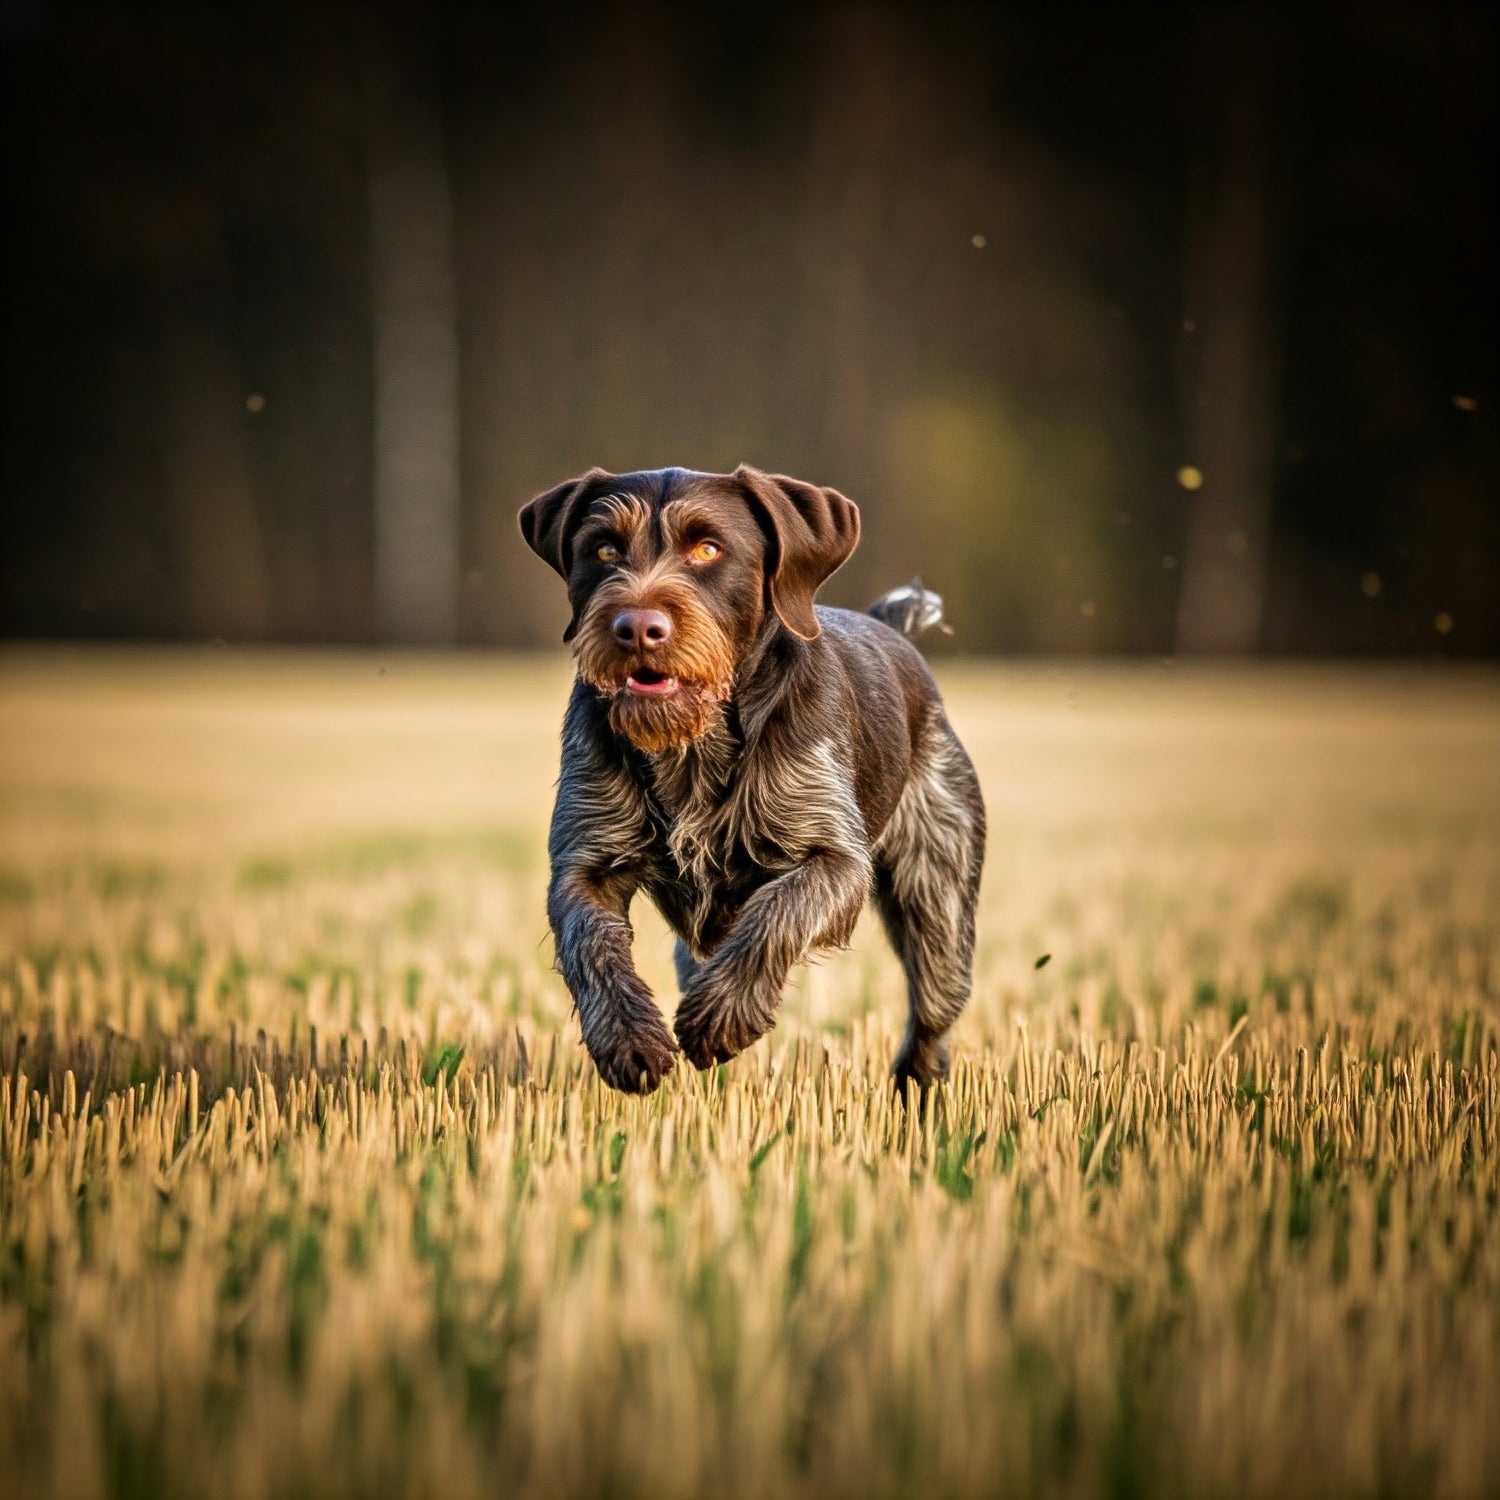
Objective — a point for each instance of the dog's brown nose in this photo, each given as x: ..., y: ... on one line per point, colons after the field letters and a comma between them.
x: 641, y: 629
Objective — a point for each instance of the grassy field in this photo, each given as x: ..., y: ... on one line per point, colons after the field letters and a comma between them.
x: 307, y: 1188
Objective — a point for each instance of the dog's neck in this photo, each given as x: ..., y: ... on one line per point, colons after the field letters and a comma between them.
x: 768, y: 673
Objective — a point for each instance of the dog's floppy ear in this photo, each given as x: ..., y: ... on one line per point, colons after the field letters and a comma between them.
x: 811, y: 531
x: 549, y: 521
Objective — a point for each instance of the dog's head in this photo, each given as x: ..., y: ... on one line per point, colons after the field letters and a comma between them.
x: 674, y: 575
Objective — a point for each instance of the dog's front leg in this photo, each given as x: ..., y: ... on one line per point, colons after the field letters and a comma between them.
x: 622, y: 1028
x: 731, y: 1000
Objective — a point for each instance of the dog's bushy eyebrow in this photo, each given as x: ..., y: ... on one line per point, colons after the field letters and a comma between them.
x: 681, y: 519
x: 622, y: 515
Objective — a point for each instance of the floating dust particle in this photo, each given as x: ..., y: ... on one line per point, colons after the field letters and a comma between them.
x: 1369, y: 585
x: 1088, y: 609
x: 1443, y: 624
x: 1190, y: 478
x: 255, y: 402
x: 1169, y: 562
x: 978, y: 241
x: 1466, y: 403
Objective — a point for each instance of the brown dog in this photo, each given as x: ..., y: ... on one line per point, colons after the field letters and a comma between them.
x: 757, y: 766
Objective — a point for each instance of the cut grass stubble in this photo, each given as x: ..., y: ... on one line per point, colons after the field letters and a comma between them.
x: 303, y: 1193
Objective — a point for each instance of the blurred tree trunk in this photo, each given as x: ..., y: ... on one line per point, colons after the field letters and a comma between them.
x: 222, y: 558
x: 1228, y: 371
x: 416, y: 338
x: 848, y: 182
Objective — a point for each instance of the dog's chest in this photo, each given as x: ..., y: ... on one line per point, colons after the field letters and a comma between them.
x: 698, y: 800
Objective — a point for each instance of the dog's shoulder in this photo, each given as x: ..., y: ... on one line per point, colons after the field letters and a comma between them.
x: 601, y: 808
x: 887, y: 696
x: 589, y: 745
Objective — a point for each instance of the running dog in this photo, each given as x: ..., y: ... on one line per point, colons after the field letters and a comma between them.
x: 754, y: 763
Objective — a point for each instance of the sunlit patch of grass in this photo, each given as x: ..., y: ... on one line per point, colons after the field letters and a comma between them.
x: 382, y: 853
x: 267, y: 874
x: 114, y: 880
x: 504, y: 849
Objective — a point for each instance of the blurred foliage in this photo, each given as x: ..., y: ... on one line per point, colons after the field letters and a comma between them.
x: 1033, y: 571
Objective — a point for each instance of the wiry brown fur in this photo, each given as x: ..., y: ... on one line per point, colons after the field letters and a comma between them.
x: 803, y: 763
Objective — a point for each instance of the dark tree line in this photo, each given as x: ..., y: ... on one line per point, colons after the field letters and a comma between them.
x: 1131, y: 329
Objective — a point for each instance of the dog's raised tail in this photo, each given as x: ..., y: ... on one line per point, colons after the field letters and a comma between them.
x: 911, y: 609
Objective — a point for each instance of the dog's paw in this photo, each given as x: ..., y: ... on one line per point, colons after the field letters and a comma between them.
x: 718, y: 1019
x: 634, y: 1060
x: 704, y: 1041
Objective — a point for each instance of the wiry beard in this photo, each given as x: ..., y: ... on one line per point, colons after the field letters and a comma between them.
x: 658, y: 724
x: 701, y: 658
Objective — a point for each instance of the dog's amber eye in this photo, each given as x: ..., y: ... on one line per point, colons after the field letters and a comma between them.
x: 608, y: 552
x: 706, y: 552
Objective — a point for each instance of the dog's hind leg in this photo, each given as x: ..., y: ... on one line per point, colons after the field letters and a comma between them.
x: 927, y: 866
x: 685, y: 964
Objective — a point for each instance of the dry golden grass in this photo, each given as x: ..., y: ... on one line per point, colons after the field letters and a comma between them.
x: 306, y: 1186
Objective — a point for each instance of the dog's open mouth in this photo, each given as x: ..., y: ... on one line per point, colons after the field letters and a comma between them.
x: 650, y: 683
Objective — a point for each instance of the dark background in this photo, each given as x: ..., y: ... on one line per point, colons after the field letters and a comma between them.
x: 301, y: 304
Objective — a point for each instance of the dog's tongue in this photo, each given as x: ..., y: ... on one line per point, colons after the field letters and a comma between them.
x: 644, y: 680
